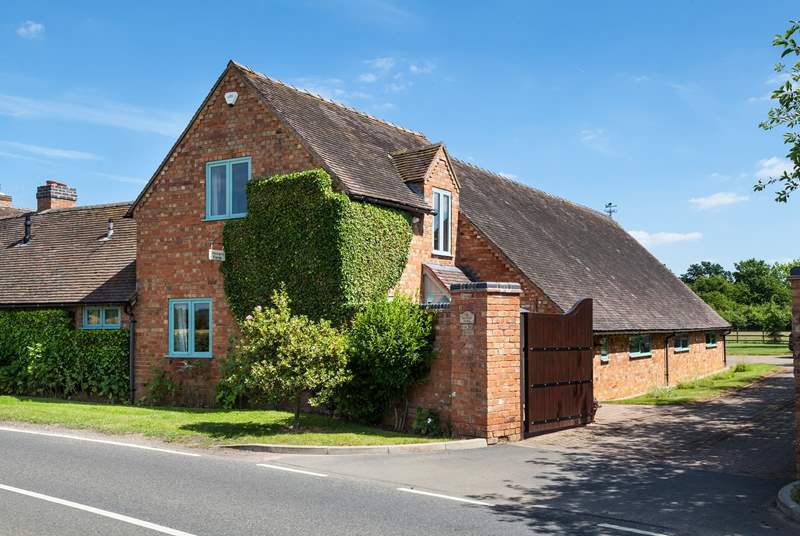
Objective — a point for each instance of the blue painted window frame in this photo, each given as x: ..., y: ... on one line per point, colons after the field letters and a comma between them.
x: 103, y: 324
x: 711, y: 340
x: 642, y: 337
x: 191, y: 353
x: 228, y: 186
x: 449, y: 196
x: 604, y: 349
x: 679, y: 346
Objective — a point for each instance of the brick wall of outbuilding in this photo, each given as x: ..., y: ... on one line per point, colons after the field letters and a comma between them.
x: 173, y: 238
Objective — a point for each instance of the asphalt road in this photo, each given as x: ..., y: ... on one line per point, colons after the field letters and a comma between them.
x: 61, y: 486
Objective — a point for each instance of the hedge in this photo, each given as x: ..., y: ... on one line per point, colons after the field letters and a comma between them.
x: 41, y: 353
x: 332, y: 254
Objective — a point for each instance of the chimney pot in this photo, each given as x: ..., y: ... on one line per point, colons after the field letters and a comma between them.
x: 55, y: 194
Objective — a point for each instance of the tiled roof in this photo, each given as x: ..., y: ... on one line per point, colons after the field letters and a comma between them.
x: 413, y: 165
x: 66, y: 261
x: 10, y: 212
x: 354, y: 146
x: 447, y: 274
x: 573, y: 252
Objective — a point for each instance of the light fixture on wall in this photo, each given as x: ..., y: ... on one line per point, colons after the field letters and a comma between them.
x: 230, y: 97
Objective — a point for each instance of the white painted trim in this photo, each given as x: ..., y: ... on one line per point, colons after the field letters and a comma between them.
x: 102, y: 441
x: 289, y: 469
x: 97, y: 511
x: 440, y: 496
x: 443, y: 252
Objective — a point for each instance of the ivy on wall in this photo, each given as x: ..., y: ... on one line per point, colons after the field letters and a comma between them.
x: 332, y: 254
x: 41, y: 353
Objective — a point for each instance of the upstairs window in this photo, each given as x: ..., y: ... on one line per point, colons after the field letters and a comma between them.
x: 711, y: 340
x: 226, y: 185
x: 640, y: 345
x: 681, y: 343
x: 102, y: 317
x: 190, y: 328
x: 442, y: 202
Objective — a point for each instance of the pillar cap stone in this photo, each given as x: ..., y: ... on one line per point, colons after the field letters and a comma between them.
x: 794, y: 273
x: 487, y: 286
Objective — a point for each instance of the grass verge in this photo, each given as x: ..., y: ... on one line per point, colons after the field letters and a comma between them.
x: 199, y: 427
x: 740, y: 348
x: 708, y: 387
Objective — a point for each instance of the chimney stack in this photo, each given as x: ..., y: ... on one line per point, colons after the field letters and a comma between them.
x: 5, y: 199
x: 55, y: 194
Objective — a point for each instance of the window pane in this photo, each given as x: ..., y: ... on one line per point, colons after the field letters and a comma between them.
x: 241, y: 174
x: 93, y: 316
x: 180, y: 327
x: 445, y: 223
x: 218, y: 190
x: 436, y: 221
x: 633, y: 344
x: 604, y: 346
x: 201, y: 327
x: 645, y: 344
x: 112, y: 315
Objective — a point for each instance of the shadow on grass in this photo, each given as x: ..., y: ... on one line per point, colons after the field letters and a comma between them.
x: 226, y: 430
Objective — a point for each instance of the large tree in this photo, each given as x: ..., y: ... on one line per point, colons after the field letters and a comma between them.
x: 786, y: 114
x: 705, y: 269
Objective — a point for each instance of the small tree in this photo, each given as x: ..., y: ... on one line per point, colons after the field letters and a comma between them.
x: 776, y: 319
x: 390, y: 348
x: 281, y: 357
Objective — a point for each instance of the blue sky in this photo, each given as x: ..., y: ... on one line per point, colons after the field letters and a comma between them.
x: 652, y: 106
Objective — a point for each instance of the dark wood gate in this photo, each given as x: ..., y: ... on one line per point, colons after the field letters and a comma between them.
x: 557, y: 375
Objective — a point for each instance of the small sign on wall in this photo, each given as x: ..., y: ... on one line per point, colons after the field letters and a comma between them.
x: 467, y: 317
x: 216, y: 254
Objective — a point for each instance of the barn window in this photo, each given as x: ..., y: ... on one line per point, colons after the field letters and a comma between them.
x: 640, y: 345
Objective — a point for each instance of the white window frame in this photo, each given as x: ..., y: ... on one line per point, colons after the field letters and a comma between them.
x: 436, y: 216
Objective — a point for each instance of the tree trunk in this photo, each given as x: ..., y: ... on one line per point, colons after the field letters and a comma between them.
x: 296, y: 423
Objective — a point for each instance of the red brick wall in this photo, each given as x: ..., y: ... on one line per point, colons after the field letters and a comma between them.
x: 474, y: 380
x: 172, y: 238
x: 421, y: 248
x: 481, y: 259
x: 795, y: 282
x: 624, y: 376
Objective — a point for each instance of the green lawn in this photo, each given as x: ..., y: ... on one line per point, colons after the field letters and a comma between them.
x: 199, y: 427
x: 752, y: 348
x: 708, y: 387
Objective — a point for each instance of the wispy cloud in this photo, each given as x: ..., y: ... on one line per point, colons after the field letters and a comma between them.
x: 772, y: 167
x: 385, y: 63
x: 368, y: 77
x: 719, y: 199
x: 654, y: 239
x: 510, y: 176
x: 774, y: 80
x: 333, y: 89
x: 120, y: 178
x: 425, y: 67
x: 98, y: 112
x: 47, y: 152
x: 596, y: 139
x: 31, y: 30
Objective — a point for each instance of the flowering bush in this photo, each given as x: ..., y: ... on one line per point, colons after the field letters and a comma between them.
x: 281, y: 356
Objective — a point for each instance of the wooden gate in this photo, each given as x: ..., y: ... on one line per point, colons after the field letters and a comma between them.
x: 557, y: 375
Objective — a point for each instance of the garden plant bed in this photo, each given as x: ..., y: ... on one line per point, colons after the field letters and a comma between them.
x: 200, y: 427
x: 712, y: 386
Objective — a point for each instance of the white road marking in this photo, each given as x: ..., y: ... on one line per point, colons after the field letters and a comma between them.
x: 103, y: 441
x: 289, y: 469
x: 628, y: 529
x: 448, y: 497
x: 92, y: 510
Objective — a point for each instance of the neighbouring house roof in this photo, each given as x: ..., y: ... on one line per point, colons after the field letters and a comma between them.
x: 66, y: 261
x: 573, y: 252
x: 10, y: 212
x: 413, y: 164
x: 447, y: 274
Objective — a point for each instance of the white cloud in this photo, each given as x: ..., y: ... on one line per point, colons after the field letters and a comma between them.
x: 596, y: 139
x: 655, y: 239
x: 778, y: 78
x: 716, y: 200
x: 507, y: 175
x: 425, y: 67
x: 368, y: 77
x: 48, y: 152
x: 30, y: 30
x: 772, y: 167
x: 381, y: 64
x: 97, y: 112
x: 333, y: 89
x: 120, y: 178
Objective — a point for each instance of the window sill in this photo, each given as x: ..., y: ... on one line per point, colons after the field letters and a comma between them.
x: 637, y: 355
x: 442, y: 254
x: 711, y: 345
x: 604, y: 359
x: 107, y: 327
x: 223, y: 218
x: 681, y: 350
x: 185, y: 356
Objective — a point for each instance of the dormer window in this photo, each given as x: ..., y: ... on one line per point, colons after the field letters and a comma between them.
x: 226, y: 188
x: 442, y: 202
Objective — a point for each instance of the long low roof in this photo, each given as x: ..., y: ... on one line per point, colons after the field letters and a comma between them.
x: 66, y: 260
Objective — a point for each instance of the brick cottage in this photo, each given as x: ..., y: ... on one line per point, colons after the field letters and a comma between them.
x: 482, y: 245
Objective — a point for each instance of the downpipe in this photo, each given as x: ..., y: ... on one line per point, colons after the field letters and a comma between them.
x: 666, y: 357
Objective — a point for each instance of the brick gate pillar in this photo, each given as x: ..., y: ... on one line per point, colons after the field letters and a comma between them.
x: 794, y: 279
x: 485, y: 363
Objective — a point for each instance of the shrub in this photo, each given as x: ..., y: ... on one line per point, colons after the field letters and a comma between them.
x: 427, y: 423
x: 390, y: 348
x: 332, y: 254
x: 41, y: 353
x: 281, y: 357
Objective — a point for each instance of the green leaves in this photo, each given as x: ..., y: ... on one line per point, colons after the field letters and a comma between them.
x: 332, y: 254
